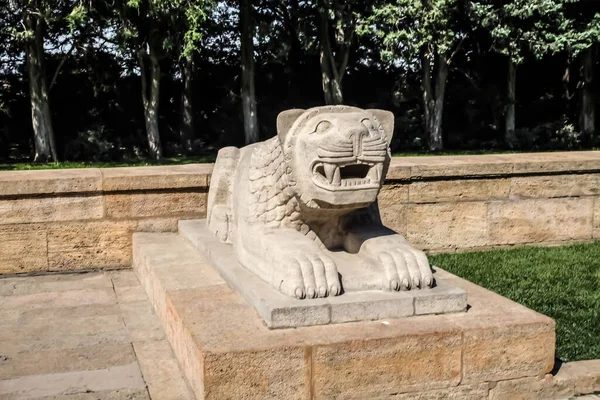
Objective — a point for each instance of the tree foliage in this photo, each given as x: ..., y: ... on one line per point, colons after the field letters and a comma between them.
x: 124, y: 79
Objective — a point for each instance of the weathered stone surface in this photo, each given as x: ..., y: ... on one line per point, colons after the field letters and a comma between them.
x: 161, y: 372
x: 531, y: 221
x: 159, y: 177
x: 517, y: 347
x: 19, y: 183
x: 268, y: 374
x: 24, y: 248
x: 449, y: 225
x: 209, y: 326
x: 392, y: 206
x: 440, y: 300
x: 359, y: 302
x: 556, y: 162
x: 51, y: 209
x: 545, y: 388
x: 294, y: 192
x: 54, y: 283
x: 155, y: 204
x: 548, y: 186
x: 119, y: 394
x: 81, y: 245
x: 131, y: 294
x: 58, y: 299
x: 157, y: 224
x: 412, y: 362
x: 69, y: 383
x: 458, y: 190
x: 585, y: 375
x: 458, y: 166
x: 14, y: 364
x: 141, y: 321
x: 463, y: 392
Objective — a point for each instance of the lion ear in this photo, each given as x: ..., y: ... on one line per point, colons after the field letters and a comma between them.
x: 285, y: 120
x: 386, y: 119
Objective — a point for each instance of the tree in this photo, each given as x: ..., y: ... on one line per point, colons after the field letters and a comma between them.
x: 334, y: 48
x: 37, y: 19
x: 248, y: 90
x: 425, y: 34
x: 519, y: 28
x: 150, y: 30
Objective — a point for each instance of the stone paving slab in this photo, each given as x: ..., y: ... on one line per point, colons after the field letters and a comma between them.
x: 85, y: 336
x: 281, y: 311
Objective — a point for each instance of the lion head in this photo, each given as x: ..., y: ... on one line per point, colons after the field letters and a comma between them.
x: 336, y: 156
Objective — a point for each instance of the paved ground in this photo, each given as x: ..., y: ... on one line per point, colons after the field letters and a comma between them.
x: 86, y: 336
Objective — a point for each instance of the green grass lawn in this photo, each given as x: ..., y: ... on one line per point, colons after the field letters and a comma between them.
x: 560, y: 282
x: 108, y: 164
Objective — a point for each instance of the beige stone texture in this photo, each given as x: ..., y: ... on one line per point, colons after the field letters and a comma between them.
x: 51, y: 209
x: 419, y: 360
x: 515, y: 348
x: 584, y: 374
x: 556, y: 162
x: 596, y: 219
x: 68, y: 383
x: 15, y: 364
x: 458, y: 190
x: 155, y: 204
x: 157, y: 224
x: 392, y: 207
x: 462, y: 392
x: 540, y: 220
x: 209, y: 326
x: 458, y: 166
x: 548, y: 186
x: 153, y: 178
x: 53, y: 283
x: 161, y: 372
x: 89, y: 245
x: 447, y: 225
x: 45, y: 182
x: 141, y: 321
x: 533, y: 388
x: 24, y: 248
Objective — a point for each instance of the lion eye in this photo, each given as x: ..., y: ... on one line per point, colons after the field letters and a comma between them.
x: 368, y: 123
x: 323, y: 127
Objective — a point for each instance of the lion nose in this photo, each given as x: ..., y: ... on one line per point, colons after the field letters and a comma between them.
x: 356, y: 136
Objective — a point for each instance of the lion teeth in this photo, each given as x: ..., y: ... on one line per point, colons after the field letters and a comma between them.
x: 329, y: 170
x: 337, y: 176
x: 379, y: 169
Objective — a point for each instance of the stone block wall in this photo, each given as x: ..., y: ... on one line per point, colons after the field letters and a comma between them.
x: 61, y: 220
x: 58, y: 220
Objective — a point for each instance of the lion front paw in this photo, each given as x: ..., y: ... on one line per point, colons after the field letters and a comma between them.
x: 308, y: 275
x: 405, y: 268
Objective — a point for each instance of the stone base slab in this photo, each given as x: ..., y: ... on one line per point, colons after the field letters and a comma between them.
x: 280, y: 311
x: 226, y: 351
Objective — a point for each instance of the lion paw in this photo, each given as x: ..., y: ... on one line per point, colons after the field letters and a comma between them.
x: 309, y: 275
x: 405, y: 268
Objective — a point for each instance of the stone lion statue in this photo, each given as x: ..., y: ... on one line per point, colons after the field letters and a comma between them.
x: 290, y: 204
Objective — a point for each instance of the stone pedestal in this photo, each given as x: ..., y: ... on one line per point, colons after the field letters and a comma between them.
x: 281, y: 311
x: 226, y: 351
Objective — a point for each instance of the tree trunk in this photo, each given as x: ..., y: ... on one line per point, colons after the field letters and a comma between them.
x: 150, y: 101
x: 510, y: 136
x: 45, y: 145
x: 332, y: 73
x: 434, y: 91
x: 248, y: 91
x: 186, y: 128
x: 587, y: 120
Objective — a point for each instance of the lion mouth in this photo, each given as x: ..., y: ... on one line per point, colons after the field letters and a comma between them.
x: 355, y: 176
